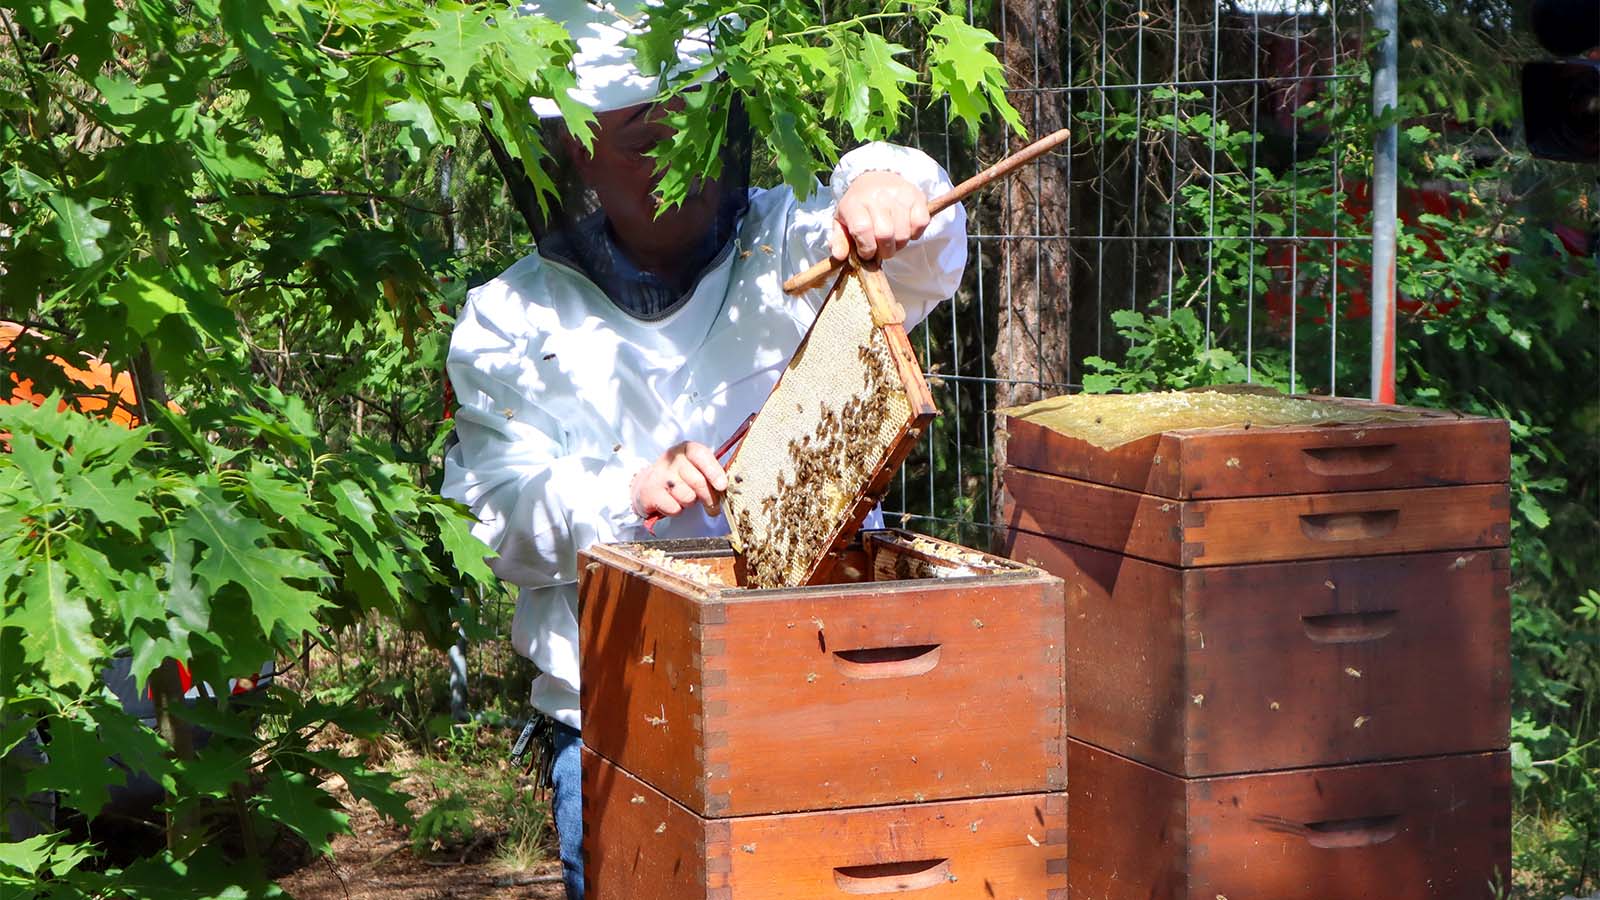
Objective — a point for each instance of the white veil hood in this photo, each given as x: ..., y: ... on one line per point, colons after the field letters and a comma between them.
x: 607, y: 77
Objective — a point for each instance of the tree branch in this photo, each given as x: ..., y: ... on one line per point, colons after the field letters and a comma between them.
x: 207, y: 199
x: 262, y: 282
x: 336, y: 53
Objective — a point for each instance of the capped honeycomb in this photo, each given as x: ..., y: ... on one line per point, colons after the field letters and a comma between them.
x: 837, y: 417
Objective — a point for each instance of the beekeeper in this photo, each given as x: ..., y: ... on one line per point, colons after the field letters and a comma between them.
x: 594, y: 374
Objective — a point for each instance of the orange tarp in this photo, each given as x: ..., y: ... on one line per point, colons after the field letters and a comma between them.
x: 105, y: 392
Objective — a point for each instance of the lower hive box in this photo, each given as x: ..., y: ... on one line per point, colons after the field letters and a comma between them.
x: 924, y: 671
x: 1404, y: 830
x: 639, y: 843
x: 1234, y: 669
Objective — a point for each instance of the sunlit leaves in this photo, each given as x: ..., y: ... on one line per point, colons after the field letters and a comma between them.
x: 235, y: 551
x: 37, y: 464
x: 24, y: 863
x: 76, y: 221
x: 797, y: 77
x: 963, y: 68
x: 466, y: 551
x: 868, y: 90
x: 459, y: 37
x: 54, y: 615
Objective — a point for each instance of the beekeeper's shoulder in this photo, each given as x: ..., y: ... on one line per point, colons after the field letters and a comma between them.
x: 776, y: 212
x: 531, y: 293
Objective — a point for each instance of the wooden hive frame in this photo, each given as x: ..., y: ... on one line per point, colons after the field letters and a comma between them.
x: 759, y: 503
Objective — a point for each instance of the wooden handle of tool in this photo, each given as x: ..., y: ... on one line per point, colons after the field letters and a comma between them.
x: 821, y: 270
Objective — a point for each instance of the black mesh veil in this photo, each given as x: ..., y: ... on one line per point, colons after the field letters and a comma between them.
x: 574, y: 230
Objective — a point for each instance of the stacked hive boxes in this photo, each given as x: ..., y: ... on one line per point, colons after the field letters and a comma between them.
x: 1287, y: 655
x: 900, y: 730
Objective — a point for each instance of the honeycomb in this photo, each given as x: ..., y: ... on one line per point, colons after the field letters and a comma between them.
x: 818, y: 442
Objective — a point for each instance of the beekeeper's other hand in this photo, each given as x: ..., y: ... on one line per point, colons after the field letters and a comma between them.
x: 688, y: 473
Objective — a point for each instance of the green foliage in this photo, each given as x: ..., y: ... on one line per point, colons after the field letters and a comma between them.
x: 479, y: 799
x: 187, y: 550
x: 452, y: 821
x: 1166, y: 353
x: 798, y: 77
x: 264, y: 214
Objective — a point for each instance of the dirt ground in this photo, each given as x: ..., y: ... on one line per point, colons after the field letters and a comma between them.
x: 376, y: 862
x: 379, y: 865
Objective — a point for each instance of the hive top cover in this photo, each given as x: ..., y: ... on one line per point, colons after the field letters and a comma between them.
x: 1110, y: 420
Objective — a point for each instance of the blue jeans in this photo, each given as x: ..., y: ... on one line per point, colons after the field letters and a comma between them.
x: 566, y: 800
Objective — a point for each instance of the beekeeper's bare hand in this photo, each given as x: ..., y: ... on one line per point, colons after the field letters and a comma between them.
x: 688, y: 473
x: 881, y: 213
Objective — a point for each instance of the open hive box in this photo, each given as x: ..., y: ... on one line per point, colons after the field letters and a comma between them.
x: 824, y: 447
x: 897, y: 726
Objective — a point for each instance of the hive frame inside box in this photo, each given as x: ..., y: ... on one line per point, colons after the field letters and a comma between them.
x: 888, y: 319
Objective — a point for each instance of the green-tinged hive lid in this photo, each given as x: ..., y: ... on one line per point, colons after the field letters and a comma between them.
x: 1110, y: 420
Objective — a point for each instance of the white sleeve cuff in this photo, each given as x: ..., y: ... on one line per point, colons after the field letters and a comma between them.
x: 908, y: 162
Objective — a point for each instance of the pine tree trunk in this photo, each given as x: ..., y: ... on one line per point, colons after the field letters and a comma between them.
x: 1034, y: 315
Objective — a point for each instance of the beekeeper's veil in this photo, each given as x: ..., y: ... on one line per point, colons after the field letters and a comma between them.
x: 574, y: 230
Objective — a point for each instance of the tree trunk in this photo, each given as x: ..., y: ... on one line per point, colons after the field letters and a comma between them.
x: 1034, y: 314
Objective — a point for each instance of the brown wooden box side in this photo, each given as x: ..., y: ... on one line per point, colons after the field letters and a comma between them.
x: 1318, y: 526
x: 883, y: 693
x: 1428, y: 828
x: 1126, y: 829
x: 1261, y: 529
x: 1437, y: 827
x: 1250, y: 668
x: 1440, y: 450
x: 1379, y: 456
x: 1346, y: 660
x: 638, y: 843
x: 1124, y: 642
x: 960, y: 850
x: 639, y: 660
x: 1137, y: 524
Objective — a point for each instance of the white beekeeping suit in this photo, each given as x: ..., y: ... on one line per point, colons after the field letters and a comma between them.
x: 565, y: 395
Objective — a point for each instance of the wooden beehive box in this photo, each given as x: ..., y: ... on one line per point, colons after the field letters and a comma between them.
x: 641, y: 844
x: 1255, y: 667
x: 1435, y: 828
x: 897, y: 728
x: 824, y: 447
x: 925, y: 671
x: 1287, y: 642
x: 1249, y: 598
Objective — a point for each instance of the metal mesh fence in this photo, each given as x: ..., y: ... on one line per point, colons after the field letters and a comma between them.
x: 1215, y: 184
x: 1216, y: 171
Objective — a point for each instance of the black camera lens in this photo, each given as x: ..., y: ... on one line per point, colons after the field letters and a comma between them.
x: 1561, y: 110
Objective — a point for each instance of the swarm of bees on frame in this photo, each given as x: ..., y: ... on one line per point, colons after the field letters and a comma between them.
x: 826, y: 472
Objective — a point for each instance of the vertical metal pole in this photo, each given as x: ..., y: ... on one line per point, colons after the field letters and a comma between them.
x: 457, y: 659
x: 459, y: 711
x: 1385, y: 97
